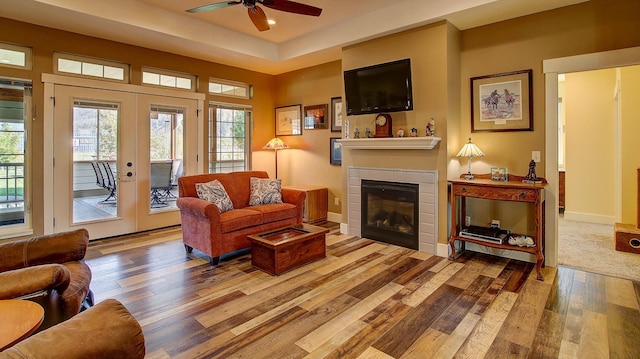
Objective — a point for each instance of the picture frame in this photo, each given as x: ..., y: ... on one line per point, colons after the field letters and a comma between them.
x: 502, y: 102
x: 315, y: 117
x: 500, y: 174
x: 288, y: 120
x: 335, y: 151
x: 336, y: 114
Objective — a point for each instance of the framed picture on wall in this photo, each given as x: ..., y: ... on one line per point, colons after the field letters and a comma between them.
x: 288, y: 120
x: 315, y: 117
x: 335, y: 151
x: 502, y: 102
x: 336, y: 114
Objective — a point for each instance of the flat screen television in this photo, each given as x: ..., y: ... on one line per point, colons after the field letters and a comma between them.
x: 379, y: 88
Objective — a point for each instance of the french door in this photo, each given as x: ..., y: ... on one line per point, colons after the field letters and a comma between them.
x: 106, y: 146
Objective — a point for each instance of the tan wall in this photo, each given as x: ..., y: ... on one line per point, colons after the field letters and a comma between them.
x: 523, y: 43
x: 630, y: 83
x: 429, y: 50
x: 46, y: 41
x: 307, y: 160
x: 590, y: 143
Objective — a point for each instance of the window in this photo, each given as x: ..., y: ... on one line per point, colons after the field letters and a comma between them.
x: 167, y: 134
x: 15, y: 100
x: 165, y: 78
x: 95, y: 131
x: 229, y: 138
x: 229, y: 88
x: 89, y: 67
x: 15, y: 56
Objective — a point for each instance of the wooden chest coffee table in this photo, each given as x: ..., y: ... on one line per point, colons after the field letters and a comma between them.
x: 284, y: 249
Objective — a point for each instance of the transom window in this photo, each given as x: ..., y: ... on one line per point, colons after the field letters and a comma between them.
x: 90, y: 67
x: 15, y: 56
x: 229, y: 88
x: 164, y: 78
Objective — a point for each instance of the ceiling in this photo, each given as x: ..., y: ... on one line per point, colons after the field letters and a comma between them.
x: 227, y: 35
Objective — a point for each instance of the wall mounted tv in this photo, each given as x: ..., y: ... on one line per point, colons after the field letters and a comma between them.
x: 379, y: 88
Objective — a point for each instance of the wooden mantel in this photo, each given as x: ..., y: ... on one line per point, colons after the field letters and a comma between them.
x: 391, y: 143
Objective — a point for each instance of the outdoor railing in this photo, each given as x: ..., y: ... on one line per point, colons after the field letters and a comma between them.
x: 11, y: 185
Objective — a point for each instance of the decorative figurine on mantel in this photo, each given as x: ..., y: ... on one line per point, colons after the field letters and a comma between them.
x: 414, y: 132
x: 367, y: 133
x: 531, y: 176
x: 356, y: 133
x: 400, y: 132
x: 431, y: 127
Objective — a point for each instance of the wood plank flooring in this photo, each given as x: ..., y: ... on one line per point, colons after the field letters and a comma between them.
x: 365, y: 300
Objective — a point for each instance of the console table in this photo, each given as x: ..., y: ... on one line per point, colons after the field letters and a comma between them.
x: 513, y: 190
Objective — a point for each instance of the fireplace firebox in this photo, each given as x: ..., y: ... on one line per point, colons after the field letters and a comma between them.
x: 390, y: 212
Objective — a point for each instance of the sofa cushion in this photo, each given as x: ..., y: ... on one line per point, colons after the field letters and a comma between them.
x: 265, y: 191
x: 276, y: 212
x: 238, y: 219
x: 215, y: 193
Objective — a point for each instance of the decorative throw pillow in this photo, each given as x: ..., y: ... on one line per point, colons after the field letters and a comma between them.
x: 265, y: 191
x: 215, y: 193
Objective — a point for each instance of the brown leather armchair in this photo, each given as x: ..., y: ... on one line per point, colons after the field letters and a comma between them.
x: 49, y: 270
x: 107, y: 330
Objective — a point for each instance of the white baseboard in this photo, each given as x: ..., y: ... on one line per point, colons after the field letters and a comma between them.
x: 442, y: 250
x: 590, y: 218
x: 334, y: 217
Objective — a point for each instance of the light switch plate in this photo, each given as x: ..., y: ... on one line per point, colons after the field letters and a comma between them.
x: 535, y: 156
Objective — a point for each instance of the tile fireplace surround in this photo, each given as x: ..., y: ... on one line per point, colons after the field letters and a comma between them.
x: 427, y: 180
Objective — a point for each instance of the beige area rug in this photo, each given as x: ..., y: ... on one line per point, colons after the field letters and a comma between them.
x: 590, y: 247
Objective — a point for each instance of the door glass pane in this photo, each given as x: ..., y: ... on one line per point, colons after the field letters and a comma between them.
x: 95, y: 154
x: 166, y: 146
x: 12, y: 154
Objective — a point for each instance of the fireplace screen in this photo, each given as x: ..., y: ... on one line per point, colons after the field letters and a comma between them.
x: 390, y: 212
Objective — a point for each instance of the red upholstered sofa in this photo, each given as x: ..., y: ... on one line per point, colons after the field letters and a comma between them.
x: 213, y: 233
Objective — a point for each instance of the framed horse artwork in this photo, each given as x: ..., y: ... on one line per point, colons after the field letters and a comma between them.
x: 502, y: 102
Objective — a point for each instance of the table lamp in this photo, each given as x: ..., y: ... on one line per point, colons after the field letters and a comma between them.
x: 275, y: 144
x: 470, y: 150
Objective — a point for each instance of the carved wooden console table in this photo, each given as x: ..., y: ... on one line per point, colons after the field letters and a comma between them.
x: 513, y: 190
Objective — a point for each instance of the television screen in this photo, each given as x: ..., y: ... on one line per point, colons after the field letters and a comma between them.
x: 379, y: 88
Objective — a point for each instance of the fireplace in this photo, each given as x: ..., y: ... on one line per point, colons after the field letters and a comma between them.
x: 390, y: 212
x: 427, y: 181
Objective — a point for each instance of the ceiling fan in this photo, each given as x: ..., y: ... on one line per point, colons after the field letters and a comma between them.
x: 257, y: 15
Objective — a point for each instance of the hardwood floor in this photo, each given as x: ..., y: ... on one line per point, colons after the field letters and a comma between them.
x: 365, y: 300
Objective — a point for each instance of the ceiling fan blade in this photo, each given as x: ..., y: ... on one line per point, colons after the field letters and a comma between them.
x: 218, y: 5
x: 292, y: 6
x: 258, y: 17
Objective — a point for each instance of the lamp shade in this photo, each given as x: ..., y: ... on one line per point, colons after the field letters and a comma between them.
x: 470, y: 150
x: 275, y: 144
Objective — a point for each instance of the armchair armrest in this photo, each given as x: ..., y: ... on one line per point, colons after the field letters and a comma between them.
x: 22, y: 282
x: 54, y: 248
x: 107, y: 330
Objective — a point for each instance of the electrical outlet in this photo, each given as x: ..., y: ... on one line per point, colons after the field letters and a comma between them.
x: 535, y: 156
x: 495, y: 223
x: 336, y: 201
x: 467, y: 221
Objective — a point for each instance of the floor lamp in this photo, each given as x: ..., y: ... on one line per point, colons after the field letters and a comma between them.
x: 275, y: 144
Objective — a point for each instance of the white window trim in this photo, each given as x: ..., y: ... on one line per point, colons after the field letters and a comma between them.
x: 28, y: 56
x: 90, y: 60
x: 156, y: 71
x: 247, y: 87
